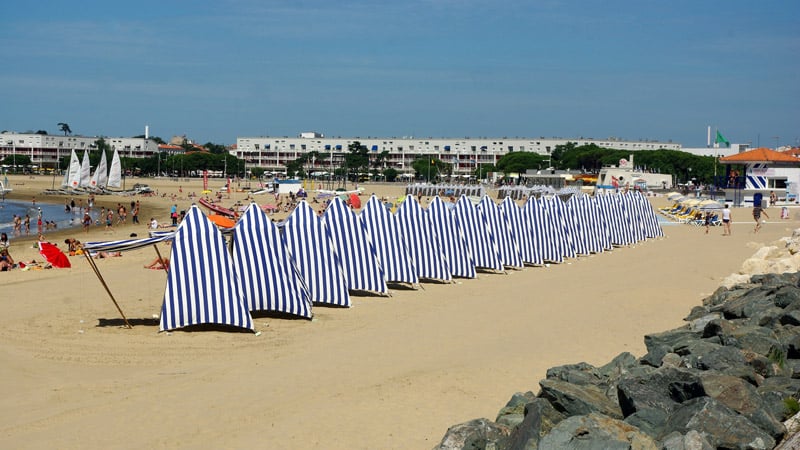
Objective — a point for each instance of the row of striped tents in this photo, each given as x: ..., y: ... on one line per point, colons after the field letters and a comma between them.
x: 288, y: 269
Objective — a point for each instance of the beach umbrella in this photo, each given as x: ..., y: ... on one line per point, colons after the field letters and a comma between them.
x: 709, y: 205
x: 53, y: 255
x: 673, y: 195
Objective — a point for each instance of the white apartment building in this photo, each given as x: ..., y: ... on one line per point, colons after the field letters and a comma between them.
x: 45, y: 150
x: 465, y: 154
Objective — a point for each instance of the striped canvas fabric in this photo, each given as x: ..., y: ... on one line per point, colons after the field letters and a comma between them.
x: 201, y: 285
x: 545, y: 243
x: 311, y: 250
x: 584, y: 224
x: 596, y: 222
x: 267, y: 275
x: 126, y: 244
x: 556, y: 213
x: 354, y: 248
x: 630, y: 218
x: 478, y: 235
x: 648, y: 213
x: 418, y: 232
x: 522, y: 232
x: 390, y: 247
x: 505, y: 237
x: 451, y: 239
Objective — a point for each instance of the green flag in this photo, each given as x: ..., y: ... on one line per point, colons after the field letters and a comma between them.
x: 721, y: 140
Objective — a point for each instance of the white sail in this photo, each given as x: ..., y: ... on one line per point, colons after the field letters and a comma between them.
x: 74, y: 172
x: 115, y: 173
x: 85, y: 177
x: 100, y: 177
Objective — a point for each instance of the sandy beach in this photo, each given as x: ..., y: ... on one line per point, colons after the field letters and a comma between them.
x: 390, y: 372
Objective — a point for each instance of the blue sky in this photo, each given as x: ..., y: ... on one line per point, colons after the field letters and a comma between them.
x: 214, y: 70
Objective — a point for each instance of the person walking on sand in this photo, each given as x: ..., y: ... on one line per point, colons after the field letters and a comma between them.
x: 726, y: 221
x: 757, y: 212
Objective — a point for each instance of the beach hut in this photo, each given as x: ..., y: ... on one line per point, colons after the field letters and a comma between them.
x: 520, y: 227
x: 451, y: 239
x: 545, y: 243
x: 267, y: 275
x: 647, y: 215
x: 478, y: 235
x: 500, y: 229
x: 556, y: 214
x: 390, y: 246
x: 354, y: 248
x: 595, y: 218
x: 419, y: 233
x: 201, y: 283
x: 310, y: 247
x: 584, y: 224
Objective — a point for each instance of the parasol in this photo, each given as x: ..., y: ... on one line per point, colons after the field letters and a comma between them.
x: 53, y: 255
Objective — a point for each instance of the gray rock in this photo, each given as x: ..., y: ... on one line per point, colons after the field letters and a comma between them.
x: 743, y: 398
x: 650, y: 421
x: 787, y: 297
x: 580, y: 373
x: 621, y: 364
x: 659, y: 344
x: 774, y: 391
x: 476, y: 434
x: 662, y: 389
x: 720, y: 425
x: 574, y: 400
x: 699, y: 324
x: 722, y: 295
x: 540, y: 418
x: 760, y: 340
x: 595, y: 432
x: 689, y: 441
x: 514, y: 412
x: 790, y: 317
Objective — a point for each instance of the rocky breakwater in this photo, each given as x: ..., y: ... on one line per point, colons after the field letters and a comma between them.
x: 729, y: 378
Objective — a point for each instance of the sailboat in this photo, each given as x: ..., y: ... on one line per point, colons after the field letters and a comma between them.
x: 73, y: 176
x: 115, y: 172
x: 100, y: 177
x: 85, y: 174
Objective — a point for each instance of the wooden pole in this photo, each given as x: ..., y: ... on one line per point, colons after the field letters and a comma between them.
x: 103, y: 282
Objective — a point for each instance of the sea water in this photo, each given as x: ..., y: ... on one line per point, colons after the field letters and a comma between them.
x: 49, y: 212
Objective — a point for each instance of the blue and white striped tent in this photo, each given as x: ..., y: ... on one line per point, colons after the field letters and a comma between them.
x: 418, y: 232
x: 522, y: 232
x: 390, y: 246
x: 596, y: 222
x: 478, y: 235
x: 451, y: 239
x: 354, y: 248
x: 507, y: 245
x: 648, y: 214
x: 630, y: 217
x: 267, y: 275
x: 556, y: 213
x: 201, y: 283
x: 545, y: 242
x: 310, y: 247
x: 618, y: 227
x: 586, y: 234
x: 541, y: 246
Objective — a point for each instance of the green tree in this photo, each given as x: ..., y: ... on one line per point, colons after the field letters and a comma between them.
x: 19, y: 160
x: 390, y: 174
x: 215, y: 148
x: 427, y: 167
x: 356, y: 160
x: 65, y: 128
x: 519, y: 162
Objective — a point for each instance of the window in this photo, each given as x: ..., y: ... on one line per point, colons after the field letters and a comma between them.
x: 776, y: 183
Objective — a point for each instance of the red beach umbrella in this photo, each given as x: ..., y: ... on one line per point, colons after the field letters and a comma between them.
x: 53, y: 255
